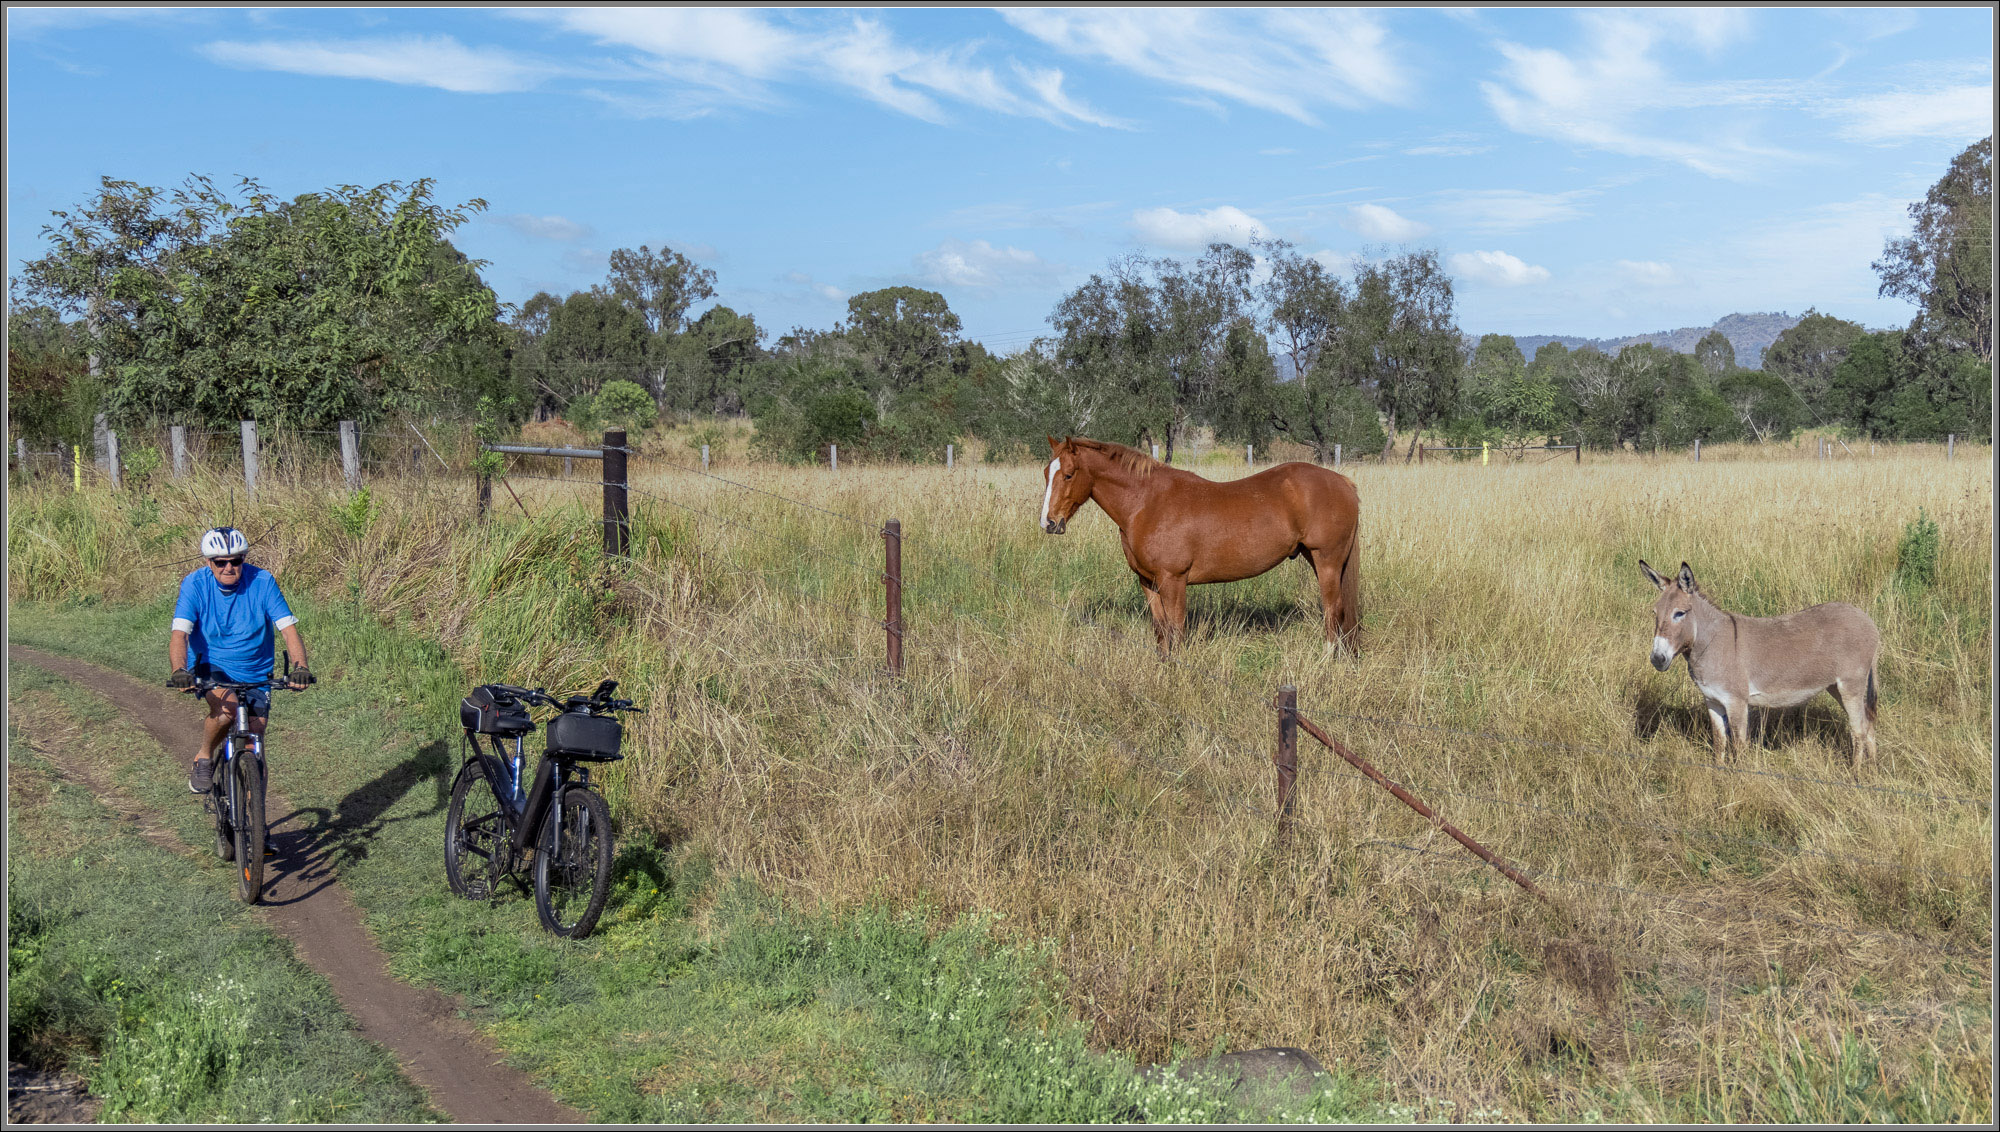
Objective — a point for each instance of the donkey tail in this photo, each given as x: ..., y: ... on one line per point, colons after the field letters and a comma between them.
x: 1871, y: 694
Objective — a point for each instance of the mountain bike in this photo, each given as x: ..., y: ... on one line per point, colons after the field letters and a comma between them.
x: 236, y: 789
x: 498, y: 822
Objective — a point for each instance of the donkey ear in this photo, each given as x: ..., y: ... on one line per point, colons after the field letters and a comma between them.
x: 1650, y: 575
x: 1686, y: 579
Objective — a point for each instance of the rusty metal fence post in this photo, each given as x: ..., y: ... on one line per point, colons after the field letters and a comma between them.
x: 892, y: 586
x: 617, y: 522
x: 1287, y: 758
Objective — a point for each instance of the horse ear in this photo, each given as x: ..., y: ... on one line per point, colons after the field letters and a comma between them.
x: 1650, y: 575
x: 1054, y: 444
x: 1686, y: 579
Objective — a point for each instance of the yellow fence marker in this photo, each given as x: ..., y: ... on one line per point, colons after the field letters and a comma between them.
x: 1482, y: 453
x: 76, y: 455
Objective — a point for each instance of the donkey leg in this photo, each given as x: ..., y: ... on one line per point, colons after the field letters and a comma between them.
x: 1718, y: 721
x: 1739, y: 724
x: 1853, y: 697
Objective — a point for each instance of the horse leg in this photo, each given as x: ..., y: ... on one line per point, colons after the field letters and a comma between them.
x: 1173, y: 607
x: 1159, y: 615
x: 1331, y: 599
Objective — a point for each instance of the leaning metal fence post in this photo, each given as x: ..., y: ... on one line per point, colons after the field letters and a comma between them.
x: 892, y: 586
x: 616, y: 521
x: 1287, y: 758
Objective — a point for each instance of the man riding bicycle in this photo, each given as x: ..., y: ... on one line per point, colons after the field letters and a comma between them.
x: 222, y: 631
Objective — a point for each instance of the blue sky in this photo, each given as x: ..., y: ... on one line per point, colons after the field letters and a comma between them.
x: 1598, y: 172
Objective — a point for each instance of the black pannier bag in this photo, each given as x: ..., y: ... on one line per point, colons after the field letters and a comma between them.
x: 573, y: 735
x: 491, y: 710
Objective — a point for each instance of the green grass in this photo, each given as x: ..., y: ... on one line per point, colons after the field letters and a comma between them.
x: 699, y: 998
x: 135, y: 967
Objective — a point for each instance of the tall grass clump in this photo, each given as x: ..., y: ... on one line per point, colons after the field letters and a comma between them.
x: 1039, y: 762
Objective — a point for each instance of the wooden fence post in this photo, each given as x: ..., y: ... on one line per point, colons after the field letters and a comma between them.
x: 1697, y: 449
x: 1950, y: 442
x: 100, y: 442
x: 21, y: 455
x: 617, y: 523
x: 1249, y: 455
x: 704, y: 457
x: 1579, y: 451
x: 350, y: 454
x: 1287, y: 758
x: 892, y: 586
x: 250, y: 458
x: 1336, y: 455
x: 177, y: 437
x: 114, y: 465
x: 833, y: 457
x: 483, y: 494
x: 947, y: 457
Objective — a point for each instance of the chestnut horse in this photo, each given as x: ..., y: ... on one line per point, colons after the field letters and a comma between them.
x: 1179, y: 529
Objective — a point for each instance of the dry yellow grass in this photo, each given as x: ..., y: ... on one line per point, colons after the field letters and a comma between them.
x: 1710, y: 929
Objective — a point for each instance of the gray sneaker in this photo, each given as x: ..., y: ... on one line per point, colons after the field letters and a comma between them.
x: 203, y: 777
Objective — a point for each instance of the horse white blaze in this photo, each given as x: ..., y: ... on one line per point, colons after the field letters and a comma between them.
x: 1049, y: 492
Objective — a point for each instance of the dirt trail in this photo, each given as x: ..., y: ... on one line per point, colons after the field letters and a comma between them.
x: 441, y: 1052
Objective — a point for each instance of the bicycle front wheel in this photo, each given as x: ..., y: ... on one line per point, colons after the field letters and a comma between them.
x: 475, y: 834
x: 249, y: 791
x: 573, y: 863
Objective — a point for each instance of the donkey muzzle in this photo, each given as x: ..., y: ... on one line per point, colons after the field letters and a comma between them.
x: 1663, y: 654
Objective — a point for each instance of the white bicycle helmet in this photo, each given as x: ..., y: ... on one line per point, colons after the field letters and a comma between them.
x: 223, y: 542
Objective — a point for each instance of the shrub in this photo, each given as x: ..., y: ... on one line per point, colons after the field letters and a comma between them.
x: 1917, y: 552
x: 624, y: 403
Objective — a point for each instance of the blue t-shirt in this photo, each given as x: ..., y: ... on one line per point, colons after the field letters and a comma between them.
x: 231, y: 629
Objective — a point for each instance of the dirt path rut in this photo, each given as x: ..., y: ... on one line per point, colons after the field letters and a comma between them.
x: 443, y: 1053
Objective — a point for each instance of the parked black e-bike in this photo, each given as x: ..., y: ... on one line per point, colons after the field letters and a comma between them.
x: 497, y: 819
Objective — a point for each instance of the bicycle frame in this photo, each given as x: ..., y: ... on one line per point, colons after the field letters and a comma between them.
x: 526, y: 810
x: 225, y: 776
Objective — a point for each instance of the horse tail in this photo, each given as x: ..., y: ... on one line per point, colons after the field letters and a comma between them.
x: 1871, y: 695
x: 1350, y: 588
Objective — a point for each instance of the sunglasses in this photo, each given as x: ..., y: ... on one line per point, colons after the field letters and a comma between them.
x: 236, y: 562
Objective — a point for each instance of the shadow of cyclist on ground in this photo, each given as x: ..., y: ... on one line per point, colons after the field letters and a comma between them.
x: 313, y: 844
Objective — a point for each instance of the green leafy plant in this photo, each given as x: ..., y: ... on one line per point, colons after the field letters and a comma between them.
x: 1917, y: 552
x: 360, y: 510
x: 624, y: 403
x: 141, y: 463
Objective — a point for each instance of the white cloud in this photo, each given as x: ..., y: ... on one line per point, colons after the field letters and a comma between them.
x: 823, y: 290
x: 544, y: 227
x: 1376, y: 222
x: 705, y: 58
x: 1963, y: 111
x: 1447, y: 150
x: 1614, y: 93
x: 1223, y: 224
x: 1507, y: 210
x: 1288, y: 61
x: 1647, y: 272
x: 955, y: 263
x: 1497, y: 268
x: 434, y: 61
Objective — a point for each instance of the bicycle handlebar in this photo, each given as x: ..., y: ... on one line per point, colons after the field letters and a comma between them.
x: 595, y: 702
x: 274, y: 683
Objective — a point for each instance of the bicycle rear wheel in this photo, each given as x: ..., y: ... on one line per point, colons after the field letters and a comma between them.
x: 476, y: 833
x: 249, y: 826
x: 573, y: 869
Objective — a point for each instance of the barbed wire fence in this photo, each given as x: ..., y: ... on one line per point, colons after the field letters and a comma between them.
x: 899, y: 636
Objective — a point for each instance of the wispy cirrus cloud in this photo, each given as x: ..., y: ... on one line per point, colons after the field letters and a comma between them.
x: 544, y: 227
x: 1647, y: 273
x: 1499, y: 211
x: 1294, y: 62
x: 435, y: 61
x: 1961, y: 110
x: 697, y: 60
x: 1497, y: 268
x: 1191, y: 230
x: 1614, y: 93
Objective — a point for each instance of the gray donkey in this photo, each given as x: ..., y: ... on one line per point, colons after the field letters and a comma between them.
x: 1767, y: 662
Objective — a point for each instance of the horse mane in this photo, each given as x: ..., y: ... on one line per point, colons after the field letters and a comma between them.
x: 1131, y: 459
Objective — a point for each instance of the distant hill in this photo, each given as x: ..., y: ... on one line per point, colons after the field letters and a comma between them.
x: 1751, y: 334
